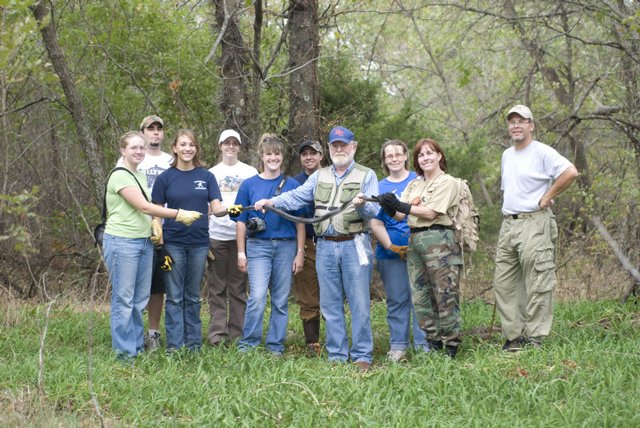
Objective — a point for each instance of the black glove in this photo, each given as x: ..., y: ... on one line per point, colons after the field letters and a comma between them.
x: 403, y: 208
x: 165, y: 261
x: 389, y: 203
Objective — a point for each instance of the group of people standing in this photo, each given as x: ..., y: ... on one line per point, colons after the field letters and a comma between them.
x: 331, y: 260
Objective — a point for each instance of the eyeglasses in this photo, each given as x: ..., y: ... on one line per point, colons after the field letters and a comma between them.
x: 513, y: 123
x: 391, y: 157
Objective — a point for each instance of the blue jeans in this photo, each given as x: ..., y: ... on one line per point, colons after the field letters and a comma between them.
x: 340, y: 275
x: 182, y: 306
x: 129, y: 262
x: 270, y: 265
x: 399, y: 307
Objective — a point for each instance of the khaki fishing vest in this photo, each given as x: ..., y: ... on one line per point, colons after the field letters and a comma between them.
x: 329, y: 197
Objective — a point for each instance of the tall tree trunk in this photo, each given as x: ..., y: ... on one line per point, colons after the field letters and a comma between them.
x: 304, y: 87
x: 78, y: 113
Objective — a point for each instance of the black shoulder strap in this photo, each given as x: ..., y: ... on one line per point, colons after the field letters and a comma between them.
x: 104, y: 202
x: 281, y: 185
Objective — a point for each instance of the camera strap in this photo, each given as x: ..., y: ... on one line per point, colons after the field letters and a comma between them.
x: 281, y: 185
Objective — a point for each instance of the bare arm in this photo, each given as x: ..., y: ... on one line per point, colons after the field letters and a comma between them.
x: 562, y: 182
x: 418, y: 211
x: 380, y: 232
x: 301, y: 236
x: 241, y: 233
x: 134, y: 196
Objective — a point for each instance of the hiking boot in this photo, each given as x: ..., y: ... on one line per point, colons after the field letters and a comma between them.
x: 435, y: 345
x: 534, y: 342
x: 451, y: 351
x: 152, y: 341
x: 363, y: 366
x: 314, y: 349
x: 397, y: 356
x: 514, y: 345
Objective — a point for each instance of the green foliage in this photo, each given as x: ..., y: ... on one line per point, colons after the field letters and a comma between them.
x: 18, y: 210
x: 585, y: 375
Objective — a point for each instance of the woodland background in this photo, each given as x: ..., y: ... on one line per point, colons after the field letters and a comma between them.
x: 75, y: 75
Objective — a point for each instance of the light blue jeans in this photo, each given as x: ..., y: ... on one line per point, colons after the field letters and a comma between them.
x: 341, y: 275
x: 270, y: 265
x: 182, y: 306
x: 129, y: 262
x: 395, y: 280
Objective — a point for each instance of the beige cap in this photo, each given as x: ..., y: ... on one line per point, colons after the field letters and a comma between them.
x: 149, y: 120
x: 520, y: 110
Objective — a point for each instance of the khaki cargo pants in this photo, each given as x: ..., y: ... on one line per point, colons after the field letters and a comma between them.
x: 525, y: 274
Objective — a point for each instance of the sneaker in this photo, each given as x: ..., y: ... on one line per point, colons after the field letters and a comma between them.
x: 152, y: 342
x: 514, y: 345
x: 397, y: 356
x: 314, y: 349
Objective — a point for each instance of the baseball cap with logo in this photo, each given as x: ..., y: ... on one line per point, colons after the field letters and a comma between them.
x: 340, y: 133
x: 150, y: 120
x: 520, y: 110
x: 315, y: 145
x: 228, y: 133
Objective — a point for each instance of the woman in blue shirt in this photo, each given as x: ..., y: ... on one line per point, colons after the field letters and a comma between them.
x: 393, y: 237
x: 186, y: 184
x: 274, y: 249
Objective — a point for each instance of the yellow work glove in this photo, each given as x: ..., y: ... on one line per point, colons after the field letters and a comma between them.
x: 156, y: 230
x: 234, y: 210
x: 187, y: 217
x: 400, y: 250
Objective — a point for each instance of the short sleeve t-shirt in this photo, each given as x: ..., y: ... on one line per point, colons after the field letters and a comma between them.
x: 398, y: 230
x: 255, y: 188
x: 527, y: 174
x: 437, y: 195
x: 229, y: 178
x: 123, y: 219
x: 188, y: 190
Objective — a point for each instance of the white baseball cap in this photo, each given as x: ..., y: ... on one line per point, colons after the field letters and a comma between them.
x: 520, y: 110
x: 228, y: 133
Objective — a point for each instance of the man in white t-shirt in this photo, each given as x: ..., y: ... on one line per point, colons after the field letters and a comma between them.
x: 532, y: 175
x: 227, y: 285
x: 155, y: 162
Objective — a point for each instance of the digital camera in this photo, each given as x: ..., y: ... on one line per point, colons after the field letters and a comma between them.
x: 256, y: 224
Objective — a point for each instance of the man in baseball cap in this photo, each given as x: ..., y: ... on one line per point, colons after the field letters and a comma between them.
x: 533, y: 174
x: 344, y: 263
x: 305, y: 283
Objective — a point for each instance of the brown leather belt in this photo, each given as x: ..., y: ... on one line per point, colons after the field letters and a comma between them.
x: 339, y: 238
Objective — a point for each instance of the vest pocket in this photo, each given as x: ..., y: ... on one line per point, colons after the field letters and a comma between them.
x: 349, y: 191
x: 323, y: 192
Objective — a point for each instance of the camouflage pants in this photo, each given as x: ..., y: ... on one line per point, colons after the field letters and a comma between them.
x: 433, y: 263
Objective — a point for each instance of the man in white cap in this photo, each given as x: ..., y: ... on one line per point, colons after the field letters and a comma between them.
x: 155, y: 162
x: 533, y: 174
x: 227, y: 285
x: 344, y: 254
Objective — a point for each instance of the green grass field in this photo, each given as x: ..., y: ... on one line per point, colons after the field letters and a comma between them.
x: 587, y: 374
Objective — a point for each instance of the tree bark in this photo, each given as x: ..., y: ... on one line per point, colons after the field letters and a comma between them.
x: 76, y: 107
x: 304, y: 86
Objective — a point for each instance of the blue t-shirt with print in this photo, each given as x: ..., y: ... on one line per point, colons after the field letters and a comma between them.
x: 187, y: 190
x: 255, y: 188
x: 398, y: 230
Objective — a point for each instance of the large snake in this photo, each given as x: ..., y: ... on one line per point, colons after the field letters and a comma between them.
x: 297, y: 219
